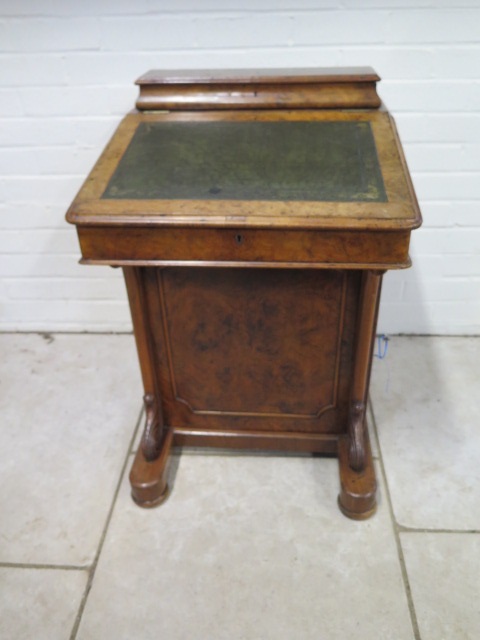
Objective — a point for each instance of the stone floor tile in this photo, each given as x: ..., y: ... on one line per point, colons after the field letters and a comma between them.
x: 444, y: 570
x: 247, y: 547
x: 426, y: 402
x: 69, y: 405
x: 39, y: 604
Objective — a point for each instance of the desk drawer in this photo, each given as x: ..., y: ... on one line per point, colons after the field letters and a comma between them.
x: 267, y: 247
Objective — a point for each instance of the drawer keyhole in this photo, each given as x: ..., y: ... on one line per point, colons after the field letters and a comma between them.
x: 239, y: 238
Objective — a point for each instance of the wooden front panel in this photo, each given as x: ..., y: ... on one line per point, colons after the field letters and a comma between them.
x: 267, y: 349
x: 142, y: 245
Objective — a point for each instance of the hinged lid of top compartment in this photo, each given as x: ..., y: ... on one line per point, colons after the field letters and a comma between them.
x: 324, y: 88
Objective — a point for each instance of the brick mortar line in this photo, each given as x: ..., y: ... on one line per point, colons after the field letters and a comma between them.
x: 96, y: 118
x: 186, y: 17
x: 46, y: 334
x: 401, y: 556
x: 236, y: 12
x: 413, y: 44
x: 118, y: 115
x: 63, y: 255
x: 95, y: 302
x: 43, y: 176
x: 386, y: 81
x: 93, y: 567
x: 281, y: 48
x: 67, y: 146
x: 59, y: 278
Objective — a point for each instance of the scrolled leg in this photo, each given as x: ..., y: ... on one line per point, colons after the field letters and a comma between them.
x: 357, y: 449
x: 357, y: 498
x: 152, y: 433
x: 357, y: 475
x: 148, y: 477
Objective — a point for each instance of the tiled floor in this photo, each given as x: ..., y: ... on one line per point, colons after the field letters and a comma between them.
x: 247, y: 547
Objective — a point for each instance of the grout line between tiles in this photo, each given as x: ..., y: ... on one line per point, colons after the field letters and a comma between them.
x: 372, y: 431
x: 93, y: 567
x: 402, y: 529
x: 41, y: 333
x: 396, y: 533
x: 58, y: 567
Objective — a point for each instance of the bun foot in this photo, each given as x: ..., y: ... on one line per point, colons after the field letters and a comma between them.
x: 149, y: 479
x: 357, y: 499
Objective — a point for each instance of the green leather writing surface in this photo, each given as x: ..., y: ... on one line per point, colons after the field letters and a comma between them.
x: 226, y: 160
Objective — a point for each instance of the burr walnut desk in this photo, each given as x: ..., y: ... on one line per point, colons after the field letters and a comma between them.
x: 253, y: 214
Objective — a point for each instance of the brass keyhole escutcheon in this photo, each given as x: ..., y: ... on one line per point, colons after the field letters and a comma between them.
x: 239, y: 238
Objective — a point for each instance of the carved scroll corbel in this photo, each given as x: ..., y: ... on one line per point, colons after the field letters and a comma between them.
x: 152, y: 433
x: 357, y: 448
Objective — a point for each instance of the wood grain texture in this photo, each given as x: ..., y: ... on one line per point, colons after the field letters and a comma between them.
x: 357, y: 498
x: 153, y: 432
x: 119, y: 245
x: 148, y: 478
x: 258, y: 76
x: 136, y: 299
x: 321, y: 443
x: 273, y: 352
x: 262, y: 89
x: 365, y: 334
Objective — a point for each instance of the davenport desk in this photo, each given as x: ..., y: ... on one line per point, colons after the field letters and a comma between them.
x: 253, y: 214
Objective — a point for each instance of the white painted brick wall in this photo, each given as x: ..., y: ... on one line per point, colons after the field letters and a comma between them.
x: 66, y: 77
